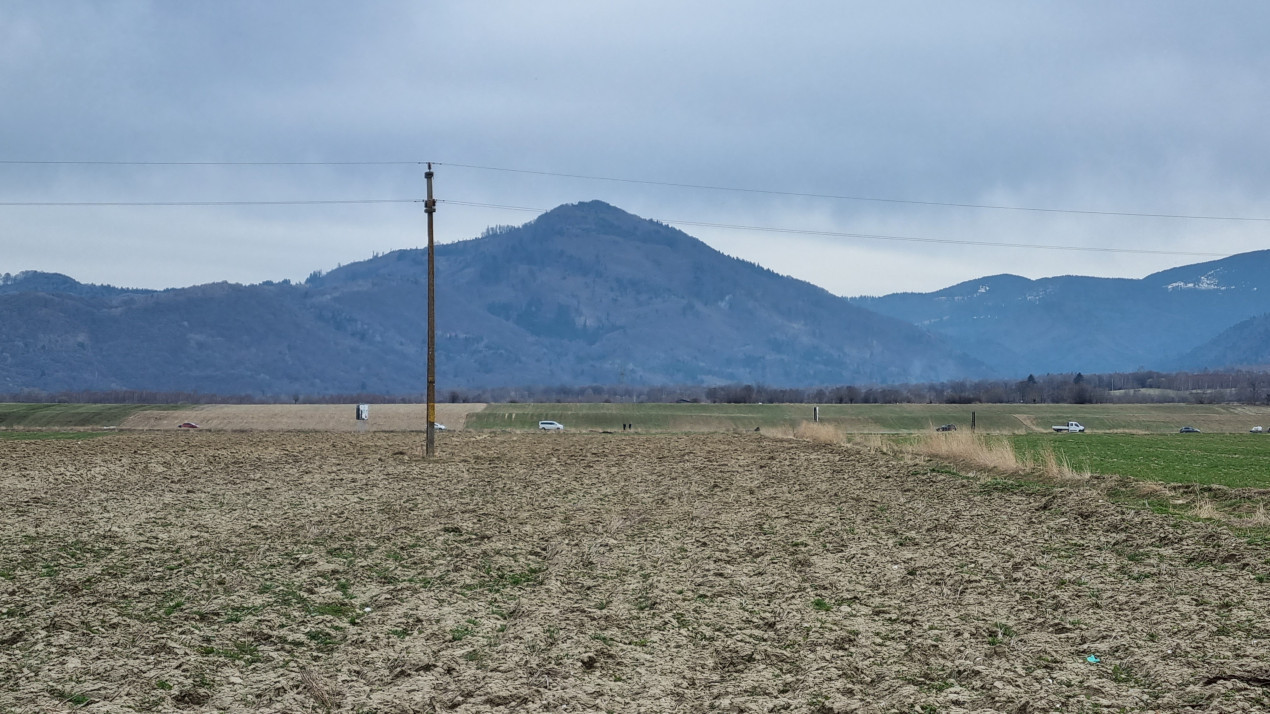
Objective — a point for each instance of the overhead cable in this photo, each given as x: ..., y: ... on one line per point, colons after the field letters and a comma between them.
x: 874, y: 236
x: 331, y: 202
x: 794, y: 194
x: 668, y: 184
x: 20, y: 162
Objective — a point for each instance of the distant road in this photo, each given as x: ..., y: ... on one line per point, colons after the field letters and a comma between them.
x: 302, y: 417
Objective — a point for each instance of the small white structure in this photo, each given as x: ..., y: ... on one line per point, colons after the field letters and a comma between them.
x: 363, y: 412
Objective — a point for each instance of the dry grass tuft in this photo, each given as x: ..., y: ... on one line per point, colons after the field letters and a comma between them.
x: 1205, y: 508
x: 1259, y: 519
x: 1053, y: 466
x: 819, y: 432
x: 1151, y: 489
x: 1056, y: 468
x: 968, y: 448
x: 874, y: 442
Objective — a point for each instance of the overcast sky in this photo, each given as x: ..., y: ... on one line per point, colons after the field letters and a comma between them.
x: 1147, y: 106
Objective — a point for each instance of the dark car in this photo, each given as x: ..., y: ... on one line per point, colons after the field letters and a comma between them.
x: 1188, y: 430
x: 946, y: 427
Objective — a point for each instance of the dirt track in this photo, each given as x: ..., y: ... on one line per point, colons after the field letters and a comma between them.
x: 303, y: 417
x: 573, y: 572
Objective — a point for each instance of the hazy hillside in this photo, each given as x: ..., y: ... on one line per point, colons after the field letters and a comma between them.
x: 1066, y: 324
x: 1247, y: 344
x: 588, y: 293
x: 584, y: 294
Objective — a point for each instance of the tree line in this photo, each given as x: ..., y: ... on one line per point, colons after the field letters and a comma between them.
x: 1140, y: 387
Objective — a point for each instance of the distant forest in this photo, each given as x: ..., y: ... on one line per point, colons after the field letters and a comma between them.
x: 1141, y: 387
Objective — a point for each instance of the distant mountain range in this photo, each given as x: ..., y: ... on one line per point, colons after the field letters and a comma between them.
x: 585, y: 294
x: 1171, y: 320
x: 590, y: 294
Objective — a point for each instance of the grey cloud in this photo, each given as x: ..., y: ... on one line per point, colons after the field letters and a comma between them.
x: 1149, y: 106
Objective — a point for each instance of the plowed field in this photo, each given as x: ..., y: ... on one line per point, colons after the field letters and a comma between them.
x: 590, y: 572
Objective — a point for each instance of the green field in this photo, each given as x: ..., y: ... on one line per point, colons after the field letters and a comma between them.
x: 1236, y: 460
x: 1137, y: 440
x: 878, y: 418
x: 62, y: 416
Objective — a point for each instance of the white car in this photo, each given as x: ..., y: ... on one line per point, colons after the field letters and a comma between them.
x: 1256, y: 430
x: 438, y: 427
x: 551, y: 425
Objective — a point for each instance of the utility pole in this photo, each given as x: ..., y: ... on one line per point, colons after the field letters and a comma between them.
x: 430, y: 207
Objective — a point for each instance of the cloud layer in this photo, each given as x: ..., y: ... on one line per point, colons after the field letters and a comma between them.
x: 1147, y: 107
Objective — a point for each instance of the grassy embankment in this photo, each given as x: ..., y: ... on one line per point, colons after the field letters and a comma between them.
x: 64, y: 421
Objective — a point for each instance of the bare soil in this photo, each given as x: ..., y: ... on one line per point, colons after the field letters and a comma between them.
x: 258, y: 571
x: 304, y: 417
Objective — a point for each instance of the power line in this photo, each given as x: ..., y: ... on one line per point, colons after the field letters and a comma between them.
x: 669, y: 221
x: 21, y: 162
x: 874, y: 236
x: 331, y: 202
x: 794, y: 194
x: 668, y: 184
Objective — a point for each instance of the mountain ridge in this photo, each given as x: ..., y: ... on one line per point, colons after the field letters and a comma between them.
x: 589, y: 294
x: 583, y: 294
x: 1080, y: 323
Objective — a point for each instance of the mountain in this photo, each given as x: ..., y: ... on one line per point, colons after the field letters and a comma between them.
x: 1247, y: 344
x: 584, y: 294
x: 33, y: 281
x: 1070, y: 323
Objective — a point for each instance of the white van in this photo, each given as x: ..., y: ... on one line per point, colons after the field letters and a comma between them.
x: 551, y: 425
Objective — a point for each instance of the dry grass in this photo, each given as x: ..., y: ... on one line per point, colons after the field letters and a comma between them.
x: 819, y: 432
x: 875, y: 442
x: 963, y: 447
x: 1259, y: 519
x: 1151, y: 489
x: 994, y: 453
x: 1205, y: 508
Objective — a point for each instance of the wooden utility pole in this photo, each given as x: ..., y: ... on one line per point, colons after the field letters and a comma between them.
x: 430, y: 207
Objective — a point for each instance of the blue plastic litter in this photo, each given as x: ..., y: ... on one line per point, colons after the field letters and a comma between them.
x: 1092, y: 659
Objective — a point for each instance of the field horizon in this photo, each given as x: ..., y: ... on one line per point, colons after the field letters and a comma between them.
x: 647, y: 417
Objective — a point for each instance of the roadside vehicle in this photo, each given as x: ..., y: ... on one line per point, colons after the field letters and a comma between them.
x: 551, y: 426
x: 1188, y: 430
x: 1072, y: 427
x: 946, y: 427
x: 1255, y: 430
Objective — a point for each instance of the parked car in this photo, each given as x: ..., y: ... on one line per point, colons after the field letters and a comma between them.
x: 946, y: 427
x: 1188, y: 430
x: 551, y: 425
x: 438, y: 427
x: 1256, y: 430
x: 187, y: 425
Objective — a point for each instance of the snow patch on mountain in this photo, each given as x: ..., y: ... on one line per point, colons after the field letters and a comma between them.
x: 1207, y: 281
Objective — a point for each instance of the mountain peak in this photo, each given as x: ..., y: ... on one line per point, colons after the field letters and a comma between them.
x: 35, y: 281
